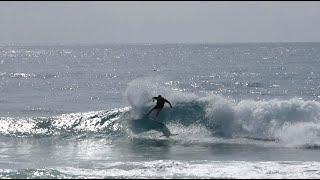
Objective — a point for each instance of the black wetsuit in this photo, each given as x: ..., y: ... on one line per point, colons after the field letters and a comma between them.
x: 160, y: 102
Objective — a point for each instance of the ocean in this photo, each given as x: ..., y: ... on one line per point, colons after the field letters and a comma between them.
x: 240, y: 110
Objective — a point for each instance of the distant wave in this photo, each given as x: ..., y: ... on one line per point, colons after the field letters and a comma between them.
x: 35, y: 174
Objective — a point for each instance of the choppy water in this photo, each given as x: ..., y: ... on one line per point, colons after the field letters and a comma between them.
x: 240, y: 111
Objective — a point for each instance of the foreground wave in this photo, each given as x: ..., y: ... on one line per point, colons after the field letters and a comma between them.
x: 294, y: 122
x: 176, y: 169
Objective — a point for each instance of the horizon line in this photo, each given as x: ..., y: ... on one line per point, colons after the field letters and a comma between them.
x: 146, y: 43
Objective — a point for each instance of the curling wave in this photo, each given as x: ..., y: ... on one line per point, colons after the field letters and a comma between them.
x: 293, y: 122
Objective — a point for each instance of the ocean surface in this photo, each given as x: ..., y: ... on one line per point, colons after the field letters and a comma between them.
x: 247, y: 110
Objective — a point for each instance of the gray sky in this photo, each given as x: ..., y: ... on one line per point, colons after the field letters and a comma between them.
x: 88, y: 22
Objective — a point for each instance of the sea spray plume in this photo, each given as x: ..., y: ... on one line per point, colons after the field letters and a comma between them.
x: 268, y: 120
x: 302, y: 134
x: 140, y: 91
x: 264, y: 119
x: 138, y: 99
x: 138, y: 96
x: 220, y: 115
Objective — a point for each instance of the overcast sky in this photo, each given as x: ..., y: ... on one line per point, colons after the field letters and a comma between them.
x: 88, y: 22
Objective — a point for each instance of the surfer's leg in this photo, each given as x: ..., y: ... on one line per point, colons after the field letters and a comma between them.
x: 158, y: 111
x: 150, y: 111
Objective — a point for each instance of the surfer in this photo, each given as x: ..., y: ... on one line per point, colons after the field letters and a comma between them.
x: 159, y: 105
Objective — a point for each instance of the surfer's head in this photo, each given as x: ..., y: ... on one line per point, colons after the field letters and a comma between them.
x: 159, y: 96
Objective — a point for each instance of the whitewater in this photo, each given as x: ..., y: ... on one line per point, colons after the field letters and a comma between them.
x: 239, y: 111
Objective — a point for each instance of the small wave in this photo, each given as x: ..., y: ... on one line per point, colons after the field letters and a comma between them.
x: 37, y: 174
x: 311, y: 146
x: 64, y: 125
x: 22, y: 75
x: 254, y: 84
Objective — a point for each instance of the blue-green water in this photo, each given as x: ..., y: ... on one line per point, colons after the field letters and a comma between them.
x: 239, y: 111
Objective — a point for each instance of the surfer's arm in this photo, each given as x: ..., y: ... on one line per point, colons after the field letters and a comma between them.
x: 168, y: 102
x: 154, y: 98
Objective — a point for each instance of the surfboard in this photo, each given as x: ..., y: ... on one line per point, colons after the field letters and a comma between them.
x: 165, y: 130
x: 156, y: 121
x: 147, y: 123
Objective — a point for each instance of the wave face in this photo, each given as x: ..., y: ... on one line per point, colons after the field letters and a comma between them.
x: 63, y: 125
x: 291, y: 123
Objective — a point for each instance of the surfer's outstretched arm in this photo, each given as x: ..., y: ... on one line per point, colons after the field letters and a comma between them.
x: 168, y: 103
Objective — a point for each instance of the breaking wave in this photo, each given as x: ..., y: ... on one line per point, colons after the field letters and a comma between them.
x: 294, y: 122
